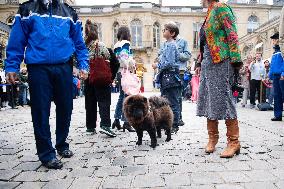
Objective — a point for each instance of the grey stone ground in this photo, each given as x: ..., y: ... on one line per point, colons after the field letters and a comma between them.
x: 102, y: 162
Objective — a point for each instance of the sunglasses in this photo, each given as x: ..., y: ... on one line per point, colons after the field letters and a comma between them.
x: 164, y: 29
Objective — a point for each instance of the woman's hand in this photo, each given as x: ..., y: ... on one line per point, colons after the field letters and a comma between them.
x: 197, y: 70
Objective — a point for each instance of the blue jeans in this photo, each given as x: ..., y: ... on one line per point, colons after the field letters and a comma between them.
x: 23, y: 94
x: 118, y: 114
x: 278, y: 86
x: 47, y: 82
x: 173, y: 94
x: 269, y: 95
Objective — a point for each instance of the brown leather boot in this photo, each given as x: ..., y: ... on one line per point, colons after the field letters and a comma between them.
x: 233, y: 146
x: 212, y: 128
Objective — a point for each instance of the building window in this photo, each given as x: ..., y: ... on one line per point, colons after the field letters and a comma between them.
x: 136, y: 33
x: 115, y: 27
x: 196, y: 30
x: 156, y: 35
x: 246, y: 51
x: 252, y: 23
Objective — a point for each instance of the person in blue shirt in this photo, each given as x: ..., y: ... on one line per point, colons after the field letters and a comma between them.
x: 46, y: 33
x: 276, y: 73
x: 168, y: 66
x: 184, y: 56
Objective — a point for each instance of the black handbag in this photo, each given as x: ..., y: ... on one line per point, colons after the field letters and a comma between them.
x: 170, y: 78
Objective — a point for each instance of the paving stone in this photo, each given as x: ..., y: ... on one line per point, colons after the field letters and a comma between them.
x: 31, y: 185
x: 234, y: 177
x: 58, y: 184
x: 8, y: 174
x: 278, y: 172
x: 108, y: 171
x: 177, y: 180
x: 117, y: 182
x: 160, y: 169
x: 28, y: 166
x: 120, y: 163
x: 230, y: 186
x: 280, y: 184
x: 134, y: 170
x: 235, y: 165
x: 86, y: 183
x: 258, y: 185
x: 260, y: 175
x: 9, y: 185
x: 148, y: 180
x: 211, y: 178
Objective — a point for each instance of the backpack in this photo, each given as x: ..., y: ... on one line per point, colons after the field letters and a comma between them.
x: 100, y: 72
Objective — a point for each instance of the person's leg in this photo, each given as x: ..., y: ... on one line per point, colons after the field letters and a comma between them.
x: 252, y: 91
x: 277, y: 98
x: 91, y: 107
x: 172, y: 94
x: 40, y: 82
x: 245, y: 96
x: 259, y: 92
x: 63, y: 100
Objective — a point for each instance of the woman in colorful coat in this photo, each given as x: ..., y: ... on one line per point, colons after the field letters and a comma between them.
x: 220, y: 60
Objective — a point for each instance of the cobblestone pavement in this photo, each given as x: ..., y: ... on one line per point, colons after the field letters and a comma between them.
x: 102, y: 162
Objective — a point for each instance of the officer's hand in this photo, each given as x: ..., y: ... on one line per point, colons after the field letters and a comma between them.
x: 282, y: 78
x: 11, y: 77
x: 83, y: 74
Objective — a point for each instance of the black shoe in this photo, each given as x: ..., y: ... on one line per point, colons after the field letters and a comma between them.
x: 107, y: 131
x: 116, y: 124
x: 174, y: 130
x: 65, y: 153
x: 91, y: 131
x: 181, y: 123
x: 276, y: 119
x: 128, y: 127
x: 53, y: 164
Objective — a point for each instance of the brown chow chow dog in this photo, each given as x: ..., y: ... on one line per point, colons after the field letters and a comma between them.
x: 136, y: 110
x: 163, y: 115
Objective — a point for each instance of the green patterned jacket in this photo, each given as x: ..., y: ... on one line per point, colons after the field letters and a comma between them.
x: 221, y: 33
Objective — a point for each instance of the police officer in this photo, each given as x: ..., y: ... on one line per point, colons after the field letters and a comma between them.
x: 45, y: 34
x: 276, y: 73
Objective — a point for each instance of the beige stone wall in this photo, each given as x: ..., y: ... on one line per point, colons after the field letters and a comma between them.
x: 149, y: 16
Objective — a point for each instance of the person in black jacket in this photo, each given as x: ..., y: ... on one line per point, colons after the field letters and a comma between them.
x: 94, y: 94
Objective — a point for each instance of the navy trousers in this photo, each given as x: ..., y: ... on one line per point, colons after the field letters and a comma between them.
x: 47, y: 83
x: 173, y: 94
x: 278, y: 87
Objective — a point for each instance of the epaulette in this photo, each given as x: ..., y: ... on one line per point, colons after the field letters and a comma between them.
x: 26, y: 2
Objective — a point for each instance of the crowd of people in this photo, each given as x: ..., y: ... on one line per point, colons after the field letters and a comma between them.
x: 213, y: 77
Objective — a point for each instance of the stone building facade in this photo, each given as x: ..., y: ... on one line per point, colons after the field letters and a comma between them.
x: 146, y: 22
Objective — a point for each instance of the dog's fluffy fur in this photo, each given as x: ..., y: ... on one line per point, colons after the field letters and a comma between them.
x: 136, y: 110
x: 163, y: 115
x: 143, y: 118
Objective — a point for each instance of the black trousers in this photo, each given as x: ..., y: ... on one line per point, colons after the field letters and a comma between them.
x: 100, y: 96
x: 254, y: 87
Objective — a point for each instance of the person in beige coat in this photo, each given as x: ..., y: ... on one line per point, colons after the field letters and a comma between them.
x: 281, y: 30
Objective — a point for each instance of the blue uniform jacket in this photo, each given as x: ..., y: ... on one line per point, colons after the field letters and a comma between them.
x: 277, y: 63
x: 45, y: 35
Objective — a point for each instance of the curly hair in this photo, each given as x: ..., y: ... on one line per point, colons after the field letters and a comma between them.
x: 91, y: 31
x: 123, y: 33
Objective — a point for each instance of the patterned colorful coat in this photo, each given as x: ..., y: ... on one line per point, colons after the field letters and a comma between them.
x: 221, y: 33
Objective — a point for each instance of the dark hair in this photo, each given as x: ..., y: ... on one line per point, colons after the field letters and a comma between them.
x: 172, y: 28
x: 91, y: 31
x: 123, y: 33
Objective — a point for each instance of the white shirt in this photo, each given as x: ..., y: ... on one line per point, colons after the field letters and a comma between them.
x: 257, y: 70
